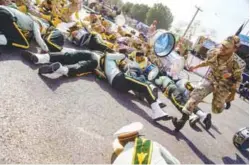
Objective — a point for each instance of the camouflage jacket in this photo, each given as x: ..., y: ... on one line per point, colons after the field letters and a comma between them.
x: 219, y: 67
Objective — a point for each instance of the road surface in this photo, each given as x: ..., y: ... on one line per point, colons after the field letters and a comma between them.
x: 72, y: 120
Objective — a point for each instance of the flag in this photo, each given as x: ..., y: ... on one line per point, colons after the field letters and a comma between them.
x: 240, y: 29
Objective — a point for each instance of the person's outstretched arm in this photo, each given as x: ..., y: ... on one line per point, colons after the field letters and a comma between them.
x: 38, y: 37
x: 115, y: 56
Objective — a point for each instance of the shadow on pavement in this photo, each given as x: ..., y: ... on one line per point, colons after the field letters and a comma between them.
x: 207, y: 130
x: 180, y: 136
x: 14, y: 54
x: 228, y: 160
x: 137, y: 110
x: 53, y: 84
x: 245, y: 153
x: 196, y: 128
x: 215, y: 129
x: 126, y: 99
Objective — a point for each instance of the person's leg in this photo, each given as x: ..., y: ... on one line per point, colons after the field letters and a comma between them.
x: 196, y: 97
x: 143, y: 88
x: 176, y: 98
x: 204, y: 117
x: 79, y: 69
x: 193, y: 119
x: 229, y: 99
x: 82, y: 68
x: 11, y: 32
x: 67, y: 58
x: 54, y: 70
x: 152, y: 98
x: 96, y: 43
x: 220, y: 96
x: 55, y: 40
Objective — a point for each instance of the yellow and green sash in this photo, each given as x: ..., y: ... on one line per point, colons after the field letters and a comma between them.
x: 142, y: 151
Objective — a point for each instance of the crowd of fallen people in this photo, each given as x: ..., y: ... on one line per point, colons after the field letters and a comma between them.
x: 119, y: 56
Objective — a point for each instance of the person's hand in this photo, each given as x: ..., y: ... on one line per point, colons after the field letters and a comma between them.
x: 44, y: 52
x: 45, y: 49
x: 191, y: 68
x: 234, y: 86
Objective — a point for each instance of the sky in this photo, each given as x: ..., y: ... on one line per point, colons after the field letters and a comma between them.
x: 224, y: 16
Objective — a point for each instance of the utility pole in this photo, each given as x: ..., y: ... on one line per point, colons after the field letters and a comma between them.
x: 246, y: 25
x: 190, y: 23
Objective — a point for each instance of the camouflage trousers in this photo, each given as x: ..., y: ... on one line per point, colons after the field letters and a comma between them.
x: 220, y: 94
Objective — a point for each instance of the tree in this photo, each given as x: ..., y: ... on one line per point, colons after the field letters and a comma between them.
x: 212, y: 33
x: 179, y: 27
x: 117, y: 3
x: 162, y: 14
x: 126, y: 8
x: 209, y: 33
x: 139, y: 12
x: 178, y: 30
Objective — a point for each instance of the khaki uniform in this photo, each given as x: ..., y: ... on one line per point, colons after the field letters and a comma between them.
x: 217, y: 83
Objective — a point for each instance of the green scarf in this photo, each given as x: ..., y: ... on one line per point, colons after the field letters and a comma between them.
x: 142, y: 151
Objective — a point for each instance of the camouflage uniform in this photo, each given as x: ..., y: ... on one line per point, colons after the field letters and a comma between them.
x: 220, y: 86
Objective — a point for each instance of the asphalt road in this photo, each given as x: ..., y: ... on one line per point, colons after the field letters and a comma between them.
x: 72, y: 120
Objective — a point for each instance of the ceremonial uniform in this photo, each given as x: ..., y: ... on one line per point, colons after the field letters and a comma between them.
x: 58, y: 11
x: 93, y: 41
x: 124, y: 83
x: 129, y: 148
x: 75, y: 63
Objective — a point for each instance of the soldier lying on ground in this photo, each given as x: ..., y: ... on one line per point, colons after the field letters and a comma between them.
x: 19, y: 28
x: 179, y: 94
x: 83, y: 62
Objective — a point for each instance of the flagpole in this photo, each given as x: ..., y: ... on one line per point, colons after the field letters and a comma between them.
x: 246, y: 25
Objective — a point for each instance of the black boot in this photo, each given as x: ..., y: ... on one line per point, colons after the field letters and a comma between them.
x: 179, y: 124
x: 29, y: 56
x: 228, y: 105
x: 208, y: 121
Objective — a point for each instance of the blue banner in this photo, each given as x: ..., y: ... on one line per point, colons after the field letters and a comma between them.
x: 244, y: 40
